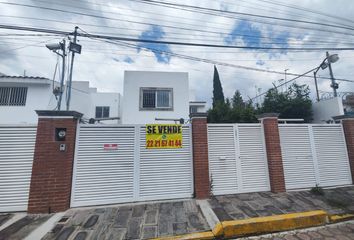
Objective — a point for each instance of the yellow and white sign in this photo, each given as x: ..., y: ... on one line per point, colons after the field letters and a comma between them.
x: 163, y: 136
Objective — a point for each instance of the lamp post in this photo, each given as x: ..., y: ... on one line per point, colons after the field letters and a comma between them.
x: 55, y: 47
x: 327, y: 63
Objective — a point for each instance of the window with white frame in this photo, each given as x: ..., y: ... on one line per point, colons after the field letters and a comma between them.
x: 13, y: 96
x: 102, y: 112
x: 156, y: 98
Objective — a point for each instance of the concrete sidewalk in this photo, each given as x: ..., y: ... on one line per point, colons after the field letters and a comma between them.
x: 250, y: 205
x: 171, y: 218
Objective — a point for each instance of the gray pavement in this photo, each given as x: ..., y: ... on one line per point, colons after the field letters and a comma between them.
x: 158, y: 219
x: 248, y: 205
x: 21, y: 228
x: 141, y: 221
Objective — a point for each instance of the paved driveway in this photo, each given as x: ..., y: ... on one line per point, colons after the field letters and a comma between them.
x: 140, y: 221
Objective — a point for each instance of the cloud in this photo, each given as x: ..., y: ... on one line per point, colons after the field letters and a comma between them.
x: 155, y: 33
x: 250, y: 35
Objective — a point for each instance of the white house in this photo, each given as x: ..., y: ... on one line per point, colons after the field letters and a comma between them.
x: 155, y: 97
x: 20, y: 96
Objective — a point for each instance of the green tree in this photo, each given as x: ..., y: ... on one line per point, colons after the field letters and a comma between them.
x: 294, y: 103
x: 218, y: 95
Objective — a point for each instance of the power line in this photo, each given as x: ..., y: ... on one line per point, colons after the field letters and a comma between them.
x: 184, y: 24
x: 167, y: 26
x: 171, y: 42
x: 158, y: 42
x: 284, y: 83
x: 168, y: 4
x: 208, y: 60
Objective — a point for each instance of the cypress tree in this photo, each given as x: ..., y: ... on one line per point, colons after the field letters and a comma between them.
x: 218, y: 95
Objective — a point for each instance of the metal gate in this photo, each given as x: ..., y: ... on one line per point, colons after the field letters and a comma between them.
x: 314, y: 154
x: 237, y: 158
x: 16, y: 159
x: 112, y: 165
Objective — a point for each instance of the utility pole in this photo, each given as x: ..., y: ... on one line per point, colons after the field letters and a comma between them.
x: 62, y: 75
x: 71, y: 71
x: 317, y: 95
x: 286, y: 87
x: 334, y: 85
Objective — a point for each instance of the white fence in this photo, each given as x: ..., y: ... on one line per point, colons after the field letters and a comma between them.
x: 16, y: 157
x: 314, y: 154
x: 237, y: 158
x: 130, y: 172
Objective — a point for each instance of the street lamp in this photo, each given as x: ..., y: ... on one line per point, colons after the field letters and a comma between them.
x: 327, y: 63
x: 55, y: 47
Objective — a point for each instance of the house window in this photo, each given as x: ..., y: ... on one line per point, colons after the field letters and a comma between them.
x: 156, y: 98
x: 13, y: 96
x: 102, y: 112
x: 193, y: 109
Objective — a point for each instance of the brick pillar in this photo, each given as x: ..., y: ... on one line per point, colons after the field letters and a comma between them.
x: 52, y: 169
x: 275, y: 161
x: 348, y: 127
x: 200, y: 155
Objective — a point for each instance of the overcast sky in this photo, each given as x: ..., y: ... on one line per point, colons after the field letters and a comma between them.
x: 103, y: 64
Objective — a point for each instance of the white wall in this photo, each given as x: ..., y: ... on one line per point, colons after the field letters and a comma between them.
x: 324, y: 110
x: 112, y: 100
x: 39, y: 97
x: 134, y: 80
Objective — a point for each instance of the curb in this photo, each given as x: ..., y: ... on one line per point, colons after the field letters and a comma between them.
x: 191, y: 236
x: 277, y: 223
x: 334, y: 218
x: 263, y: 225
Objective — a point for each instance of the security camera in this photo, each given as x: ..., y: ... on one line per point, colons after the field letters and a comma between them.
x: 53, y: 46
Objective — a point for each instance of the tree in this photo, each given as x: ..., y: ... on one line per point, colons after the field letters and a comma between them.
x: 232, y: 111
x: 218, y: 95
x: 294, y: 103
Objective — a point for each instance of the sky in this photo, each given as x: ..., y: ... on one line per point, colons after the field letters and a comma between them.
x: 234, y: 23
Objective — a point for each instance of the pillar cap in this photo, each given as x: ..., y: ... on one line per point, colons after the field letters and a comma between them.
x: 343, y: 117
x: 267, y: 115
x: 198, y: 115
x: 59, y: 114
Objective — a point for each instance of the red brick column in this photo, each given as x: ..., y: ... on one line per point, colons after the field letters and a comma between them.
x: 275, y: 161
x: 200, y: 155
x: 348, y: 127
x: 52, y: 169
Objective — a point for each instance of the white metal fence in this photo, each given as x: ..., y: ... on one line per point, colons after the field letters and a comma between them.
x: 237, y: 158
x: 314, y: 154
x: 130, y: 172
x: 16, y: 158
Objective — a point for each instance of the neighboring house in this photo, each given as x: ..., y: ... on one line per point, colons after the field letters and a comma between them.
x: 149, y: 97
x: 348, y: 104
x: 155, y: 97
x: 197, y: 106
x: 20, y: 96
x: 326, y: 109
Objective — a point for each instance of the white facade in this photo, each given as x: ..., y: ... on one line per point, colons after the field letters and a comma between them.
x: 136, y: 81
x: 40, y: 96
x: 324, y: 110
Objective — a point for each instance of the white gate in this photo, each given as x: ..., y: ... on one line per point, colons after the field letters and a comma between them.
x: 124, y: 170
x: 314, y: 154
x: 16, y: 159
x: 237, y: 158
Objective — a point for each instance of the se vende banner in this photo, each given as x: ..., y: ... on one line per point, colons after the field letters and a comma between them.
x: 163, y: 136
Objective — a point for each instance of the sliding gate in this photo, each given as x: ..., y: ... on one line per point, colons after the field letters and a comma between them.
x: 112, y: 165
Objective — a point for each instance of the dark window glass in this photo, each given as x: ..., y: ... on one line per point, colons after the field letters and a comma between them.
x: 102, y: 112
x: 149, y: 98
x: 13, y: 96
